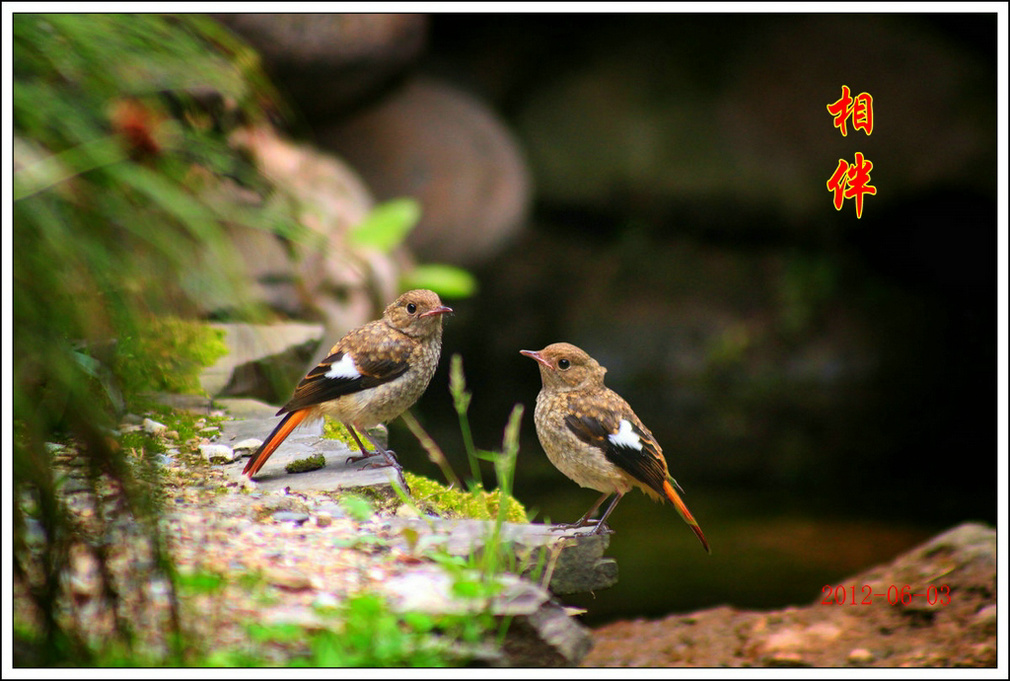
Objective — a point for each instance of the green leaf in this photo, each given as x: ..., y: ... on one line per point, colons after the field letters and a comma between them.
x: 387, y: 225
x: 445, y: 280
x: 357, y: 507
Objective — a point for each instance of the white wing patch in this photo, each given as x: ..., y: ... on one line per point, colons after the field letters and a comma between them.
x: 626, y: 437
x: 343, y: 369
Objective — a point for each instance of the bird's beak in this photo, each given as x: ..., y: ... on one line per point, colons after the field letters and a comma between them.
x: 537, y: 356
x: 441, y: 309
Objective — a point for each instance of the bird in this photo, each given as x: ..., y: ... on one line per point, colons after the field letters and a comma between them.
x: 372, y: 375
x: 592, y: 435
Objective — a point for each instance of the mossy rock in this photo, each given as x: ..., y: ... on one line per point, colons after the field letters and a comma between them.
x: 455, y: 503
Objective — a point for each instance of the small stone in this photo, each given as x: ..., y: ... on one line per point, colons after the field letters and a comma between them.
x: 325, y: 599
x: 218, y: 454
x: 290, y: 516
x: 786, y: 660
x: 288, y: 579
x: 247, y: 447
x: 861, y: 656
x: 324, y: 520
x: 172, y: 435
x: 210, y: 430
x: 128, y: 428
x: 406, y: 511
x: 153, y: 427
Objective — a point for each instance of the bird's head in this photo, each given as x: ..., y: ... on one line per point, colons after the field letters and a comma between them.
x: 417, y: 313
x: 566, y: 367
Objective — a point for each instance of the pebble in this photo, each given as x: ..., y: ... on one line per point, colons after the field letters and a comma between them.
x: 288, y: 579
x: 247, y: 447
x: 786, y: 660
x: 861, y: 656
x: 153, y: 427
x: 290, y: 516
x: 218, y: 453
x: 325, y: 599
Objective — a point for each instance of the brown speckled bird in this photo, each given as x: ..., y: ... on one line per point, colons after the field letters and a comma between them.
x: 591, y: 434
x: 372, y: 375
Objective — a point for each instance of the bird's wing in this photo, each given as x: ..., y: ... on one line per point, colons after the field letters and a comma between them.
x: 624, y: 442
x: 345, y: 371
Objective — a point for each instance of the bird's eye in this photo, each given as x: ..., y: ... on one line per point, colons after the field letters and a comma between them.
x: 563, y: 364
x: 411, y: 308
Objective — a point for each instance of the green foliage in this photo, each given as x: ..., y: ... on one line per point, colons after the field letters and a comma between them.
x: 364, y: 632
x: 461, y: 402
x: 120, y: 125
x: 446, y: 280
x: 386, y: 226
x: 357, y: 507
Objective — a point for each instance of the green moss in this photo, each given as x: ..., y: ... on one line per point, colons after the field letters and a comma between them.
x: 185, y: 423
x: 309, y: 463
x: 167, y: 355
x: 456, y: 503
x: 335, y: 430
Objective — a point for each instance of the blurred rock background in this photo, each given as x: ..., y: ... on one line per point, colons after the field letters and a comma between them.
x: 652, y: 188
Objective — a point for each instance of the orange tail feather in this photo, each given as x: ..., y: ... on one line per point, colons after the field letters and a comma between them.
x: 672, y: 495
x: 279, y: 434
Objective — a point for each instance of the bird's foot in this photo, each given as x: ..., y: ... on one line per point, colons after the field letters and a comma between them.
x: 389, y: 459
x: 584, y: 522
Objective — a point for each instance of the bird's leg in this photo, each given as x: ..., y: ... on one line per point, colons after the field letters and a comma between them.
x: 388, y: 455
x: 364, y: 452
x: 586, y: 519
x: 599, y: 524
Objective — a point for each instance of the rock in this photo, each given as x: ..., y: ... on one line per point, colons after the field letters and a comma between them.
x: 443, y: 147
x: 290, y: 517
x: 258, y: 352
x: 247, y: 408
x: 548, y: 637
x: 860, y: 656
x: 329, y: 63
x: 541, y: 633
x: 195, y: 404
x: 580, y: 567
x: 218, y: 454
x: 318, y: 275
x: 336, y: 474
x: 247, y: 447
x: 153, y: 427
x: 955, y: 632
x: 288, y: 578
